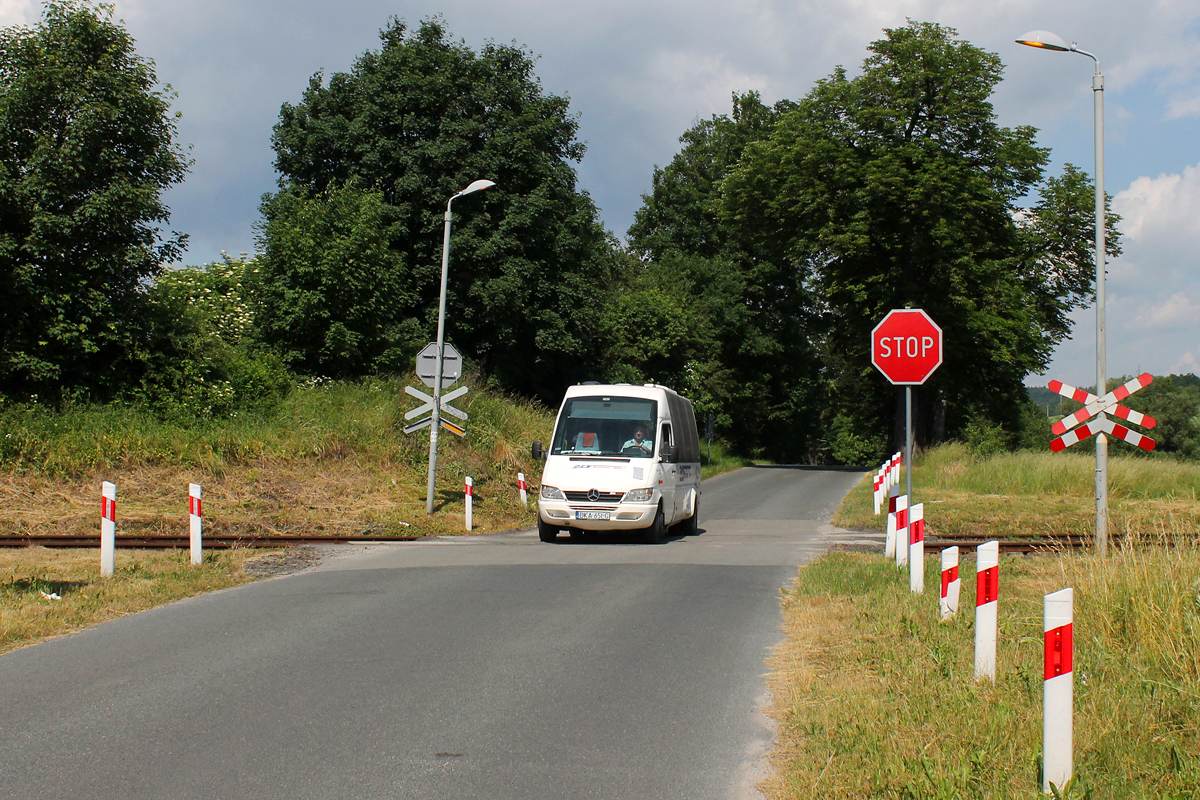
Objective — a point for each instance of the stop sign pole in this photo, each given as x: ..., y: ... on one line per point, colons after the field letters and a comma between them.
x: 906, y: 346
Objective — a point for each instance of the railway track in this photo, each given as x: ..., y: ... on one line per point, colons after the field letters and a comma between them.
x: 224, y: 542
x: 1039, y: 544
x: 216, y: 542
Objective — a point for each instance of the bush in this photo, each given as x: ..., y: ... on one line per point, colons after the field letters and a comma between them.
x: 984, y: 437
x: 202, y: 361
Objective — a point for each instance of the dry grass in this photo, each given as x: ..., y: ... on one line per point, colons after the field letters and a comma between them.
x: 295, y: 497
x: 30, y: 577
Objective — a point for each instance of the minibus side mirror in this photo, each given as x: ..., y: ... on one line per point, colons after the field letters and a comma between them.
x: 670, y: 454
x: 536, y: 451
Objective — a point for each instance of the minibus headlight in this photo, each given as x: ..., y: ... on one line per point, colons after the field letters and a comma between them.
x: 638, y: 496
x: 551, y: 493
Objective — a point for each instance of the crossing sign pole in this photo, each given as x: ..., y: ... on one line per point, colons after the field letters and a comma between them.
x: 906, y: 346
x: 474, y: 186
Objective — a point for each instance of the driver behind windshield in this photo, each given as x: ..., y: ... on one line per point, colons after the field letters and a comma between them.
x: 639, y: 441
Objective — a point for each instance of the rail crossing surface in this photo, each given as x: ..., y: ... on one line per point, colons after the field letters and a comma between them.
x: 482, y: 666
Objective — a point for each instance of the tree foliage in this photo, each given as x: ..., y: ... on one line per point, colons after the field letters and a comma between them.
x: 896, y: 188
x: 407, y: 128
x: 86, y: 151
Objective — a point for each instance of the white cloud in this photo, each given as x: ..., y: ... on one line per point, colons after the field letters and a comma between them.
x: 19, y: 12
x: 1161, y: 226
x: 1178, y: 311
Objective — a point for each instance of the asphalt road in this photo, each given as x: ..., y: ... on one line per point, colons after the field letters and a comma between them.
x: 480, y: 667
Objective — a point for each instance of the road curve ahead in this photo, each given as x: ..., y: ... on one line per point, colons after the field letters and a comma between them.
x: 481, y: 667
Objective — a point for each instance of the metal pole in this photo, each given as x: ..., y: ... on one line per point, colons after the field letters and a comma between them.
x: 1101, y: 378
x: 908, y: 454
x: 436, y: 423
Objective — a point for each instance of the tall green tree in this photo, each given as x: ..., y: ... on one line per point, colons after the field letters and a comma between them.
x: 899, y: 188
x: 745, y: 356
x: 86, y: 150
x: 415, y: 122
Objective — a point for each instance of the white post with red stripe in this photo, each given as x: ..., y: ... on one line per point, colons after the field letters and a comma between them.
x: 916, y: 549
x: 987, y: 579
x: 877, y: 494
x: 901, y: 530
x: 108, y: 528
x: 889, y: 542
x: 469, y: 491
x: 524, y: 489
x: 950, y: 583
x: 195, y: 515
x: 893, y: 535
x: 1058, y: 690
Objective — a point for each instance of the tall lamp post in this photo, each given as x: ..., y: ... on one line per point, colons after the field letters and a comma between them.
x: 1049, y: 41
x: 436, y: 422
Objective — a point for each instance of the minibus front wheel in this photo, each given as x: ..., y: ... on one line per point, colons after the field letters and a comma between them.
x: 657, y: 532
x: 546, y: 532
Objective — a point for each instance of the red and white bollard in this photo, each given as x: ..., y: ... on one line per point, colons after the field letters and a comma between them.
x: 987, y: 578
x: 1058, y: 689
x: 194, y: 518
x: 889, y: 544
x: 950, y: 583
x: 901, y: 531
x: 877, y: 491
x: 469, y: 491
x: 524, y: 489
x: 108, y: 528
x: 916, y: 549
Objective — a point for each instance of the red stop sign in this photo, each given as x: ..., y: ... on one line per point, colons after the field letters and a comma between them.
x: 907, y: 346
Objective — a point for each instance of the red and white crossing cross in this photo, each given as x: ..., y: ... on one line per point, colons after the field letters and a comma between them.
x: 1108, y: 404
x: 906, y: 346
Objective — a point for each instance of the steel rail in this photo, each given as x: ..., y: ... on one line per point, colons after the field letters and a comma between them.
x: 214, y: 542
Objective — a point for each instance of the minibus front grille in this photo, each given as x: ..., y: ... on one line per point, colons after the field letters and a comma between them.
x: 594, y: 497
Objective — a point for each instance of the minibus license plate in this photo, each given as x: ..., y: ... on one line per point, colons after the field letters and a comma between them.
x: 592, y: 514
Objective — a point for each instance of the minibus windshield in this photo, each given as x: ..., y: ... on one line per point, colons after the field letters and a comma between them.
x: 606, y: 426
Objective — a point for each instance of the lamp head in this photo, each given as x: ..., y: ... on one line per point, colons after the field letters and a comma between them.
x: 1045, y: 40
x: 476, y: 186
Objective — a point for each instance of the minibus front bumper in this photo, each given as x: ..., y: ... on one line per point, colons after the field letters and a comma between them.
x: 597, y: 517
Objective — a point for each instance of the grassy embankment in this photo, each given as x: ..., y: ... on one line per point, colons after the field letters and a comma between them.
x: 876, y: 697
x: 331, y: 459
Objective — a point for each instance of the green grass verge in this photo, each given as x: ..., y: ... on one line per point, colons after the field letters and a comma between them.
x: 877, y: 698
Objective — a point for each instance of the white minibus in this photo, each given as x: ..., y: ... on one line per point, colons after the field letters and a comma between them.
x: 623, y: 458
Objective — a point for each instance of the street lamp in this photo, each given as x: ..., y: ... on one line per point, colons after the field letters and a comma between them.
x: 436, y: 422
x: 1049, y: 41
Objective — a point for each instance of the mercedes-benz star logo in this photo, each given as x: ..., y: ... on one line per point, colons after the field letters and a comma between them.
x: 593, y: 495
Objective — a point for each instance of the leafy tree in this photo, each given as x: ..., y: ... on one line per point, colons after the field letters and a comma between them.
x: 86, y: 151
x: 330, y: 283
x: 414, y: 123
x: 898, y: 188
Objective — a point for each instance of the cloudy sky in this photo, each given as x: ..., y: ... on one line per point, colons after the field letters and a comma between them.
x: 640, y: 73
